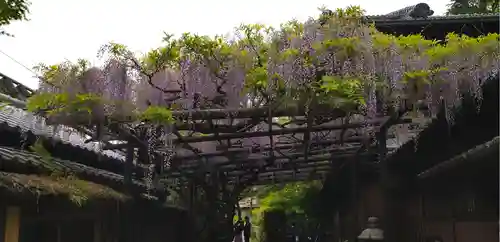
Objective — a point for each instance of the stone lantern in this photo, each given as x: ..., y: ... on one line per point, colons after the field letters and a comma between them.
x: 372, y: 232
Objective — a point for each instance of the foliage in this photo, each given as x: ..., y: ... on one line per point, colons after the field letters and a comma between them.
x: 297, y: 200
x: 78, y: 191
x: 12, y: 10
x: 157, y: 114
x: 62, y: 103
x: 338, y: 62
x: 40, y: 150
x: 291, y: 198
x: 3, y: 105
x: 473, y: 7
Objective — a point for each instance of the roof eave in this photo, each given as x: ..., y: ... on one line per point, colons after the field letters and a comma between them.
x: 477, y: 153
x: 382, y: 21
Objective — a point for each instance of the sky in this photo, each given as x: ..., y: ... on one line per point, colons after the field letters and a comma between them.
x: 60, y: 30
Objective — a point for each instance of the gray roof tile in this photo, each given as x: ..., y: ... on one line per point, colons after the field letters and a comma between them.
x: 430, y: 18
x: 48, y: 164
x: 26, y: 121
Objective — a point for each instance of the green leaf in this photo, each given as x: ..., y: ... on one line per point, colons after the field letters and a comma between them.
x: 157, y: 114
x: 3, y: 105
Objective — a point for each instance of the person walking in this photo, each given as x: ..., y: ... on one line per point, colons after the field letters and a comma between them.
x: 247, y: 229
x: 238, y: 231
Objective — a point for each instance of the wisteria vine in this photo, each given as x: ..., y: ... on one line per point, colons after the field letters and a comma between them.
x: 339, y: 62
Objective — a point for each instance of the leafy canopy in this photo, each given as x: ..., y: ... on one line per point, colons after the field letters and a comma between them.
x: 13, y: 10
x: 341, y: 63
x: 291, y: 198
x: 298, y: 200
x: 473, y: 7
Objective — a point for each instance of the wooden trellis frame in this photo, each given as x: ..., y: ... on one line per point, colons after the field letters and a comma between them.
x: 235, y: 163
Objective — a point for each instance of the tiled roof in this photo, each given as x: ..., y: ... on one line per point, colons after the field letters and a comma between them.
x: 422, y: 13
x: 27, y: 172
x: 467, y: 16
x: 476, y: 154
x: 453, y: 16
x: 16, y: 117
x: 13, y: 88
x: 446, y: 18
x: 26, y: 121
x: 20, y: 161
x: 76, y: 190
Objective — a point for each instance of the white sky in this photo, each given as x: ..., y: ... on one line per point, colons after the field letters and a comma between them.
x: 70, y: 29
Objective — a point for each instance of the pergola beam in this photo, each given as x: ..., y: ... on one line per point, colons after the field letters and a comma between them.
x: 287, y: 163
x: 287, y: 177
x: 319, y: 165
x: 317, y: 128
x: 241, y: 160
x: 257, y: 112
x: 255, y: 149
x: 291, y: 173
x: 241, y: 113
x: 263, y: 180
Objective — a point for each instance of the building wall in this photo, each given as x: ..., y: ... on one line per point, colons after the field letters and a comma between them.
x: 464, y: 210
x: 477, y: 231
x: 351, y: 216
x: 2, y: 223
x: 156, y: 233
x: 50, y: 224
x: 161, y: 226
x: 445, y: 211
x: 11, y: 224
x: 370, y: 202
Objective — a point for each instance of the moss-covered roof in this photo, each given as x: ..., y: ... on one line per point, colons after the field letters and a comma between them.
x: 48, y: 175
x: 77, y: 190
x: 20, y: 160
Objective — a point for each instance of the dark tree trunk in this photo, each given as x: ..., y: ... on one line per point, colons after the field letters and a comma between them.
x: 213, y: 204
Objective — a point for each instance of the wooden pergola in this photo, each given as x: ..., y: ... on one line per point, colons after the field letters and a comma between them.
x: 308, y: 152
x: 305, y: 148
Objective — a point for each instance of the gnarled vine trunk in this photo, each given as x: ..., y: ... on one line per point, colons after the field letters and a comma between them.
x: 212, y: 209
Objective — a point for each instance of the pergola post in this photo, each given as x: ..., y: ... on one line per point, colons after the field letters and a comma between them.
x: 354, y: 196
x: 388, y: 215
